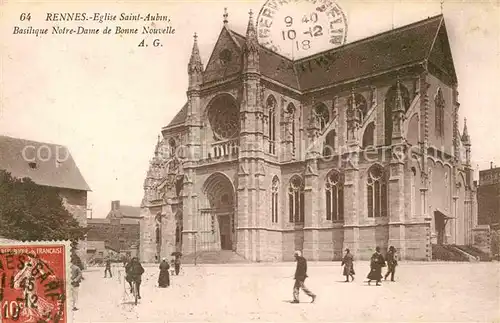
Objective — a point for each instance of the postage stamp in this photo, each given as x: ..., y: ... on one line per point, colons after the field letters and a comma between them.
x: 34, y: 281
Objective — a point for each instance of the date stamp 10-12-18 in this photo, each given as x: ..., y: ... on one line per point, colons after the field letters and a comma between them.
x: 35, y: 281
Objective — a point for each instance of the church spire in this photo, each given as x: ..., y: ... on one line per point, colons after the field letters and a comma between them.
x: 251, y: 48
x: 195, y: 64
x: 251, y: 43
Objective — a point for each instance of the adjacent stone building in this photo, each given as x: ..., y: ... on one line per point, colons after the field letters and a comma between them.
x: 119, y: 231
x: 354, y: 147
x: 52, y: 165
x: 488, y: 195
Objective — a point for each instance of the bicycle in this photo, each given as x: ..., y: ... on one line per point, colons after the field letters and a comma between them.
x: 135, y: 291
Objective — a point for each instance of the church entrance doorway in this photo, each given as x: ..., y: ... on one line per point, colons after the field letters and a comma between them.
x: 217, y: 219
x: 440, y: 221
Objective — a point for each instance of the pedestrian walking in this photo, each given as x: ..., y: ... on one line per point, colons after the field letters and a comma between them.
x: 300, y: 277
x: 348, y: 263
x: 108, y: 269
x: 377, y: 261
x: 177, y: 264
x: 76, y: 278
x: 164, y: 277
x: 392, y: 262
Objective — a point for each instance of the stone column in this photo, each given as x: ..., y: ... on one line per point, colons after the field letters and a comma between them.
x: 352, y: 194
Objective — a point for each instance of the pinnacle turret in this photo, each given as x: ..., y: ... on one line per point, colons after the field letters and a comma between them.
x: 195, y: 64
x: 399, y: 99
x: 251, y: 43
x: 465, y: 134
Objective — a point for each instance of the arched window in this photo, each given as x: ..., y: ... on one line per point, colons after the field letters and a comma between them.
x: 329, y: 145
x: 376, y: 187
x: 271, y: 108
x: 172, y: 145
x: 390, y: 105
x: 361, y: 106
x: 296, y: 200
x: 274, y: 200
x: 335, y: 196
x: 368, y: 135
x: 290, y: 110
x: 323, y: 115
x: 439, y: 113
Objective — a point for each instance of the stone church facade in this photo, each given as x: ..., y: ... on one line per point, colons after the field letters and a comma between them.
x: 354, y: 147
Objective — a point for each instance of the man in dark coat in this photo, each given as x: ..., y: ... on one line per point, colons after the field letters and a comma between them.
x: 348, y: 263
x: 392, y: 262
x: 376, y: 263
x: 300, y: 277
x: 177, y: 264
x: 164, y: 278
x: 108, y: 269
x: 134, y: 271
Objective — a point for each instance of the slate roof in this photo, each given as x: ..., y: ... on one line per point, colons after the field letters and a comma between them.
x: 397, y: 47
x: 410, y: 44
x: 47, y: 171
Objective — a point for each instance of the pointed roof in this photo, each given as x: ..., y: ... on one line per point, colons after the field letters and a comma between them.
x: 39, y: 161
x: 180, y: 117
x: 251, y: 41
x: 411, y: 44
x: 195, y: 63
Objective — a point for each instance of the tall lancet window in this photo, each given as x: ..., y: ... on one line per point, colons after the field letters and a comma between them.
x: 323, y: 115
x: 376, y: 192
x: 439, y: 113
x: 296, y: 200
x: 271, y: 110
x: 274, y: 200
x: 334, y: 196
x: 291, y: 111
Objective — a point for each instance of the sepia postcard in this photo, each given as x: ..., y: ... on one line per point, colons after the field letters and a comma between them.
x: 237, y: 161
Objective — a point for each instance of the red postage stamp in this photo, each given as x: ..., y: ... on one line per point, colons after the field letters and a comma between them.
x: 34, y: 282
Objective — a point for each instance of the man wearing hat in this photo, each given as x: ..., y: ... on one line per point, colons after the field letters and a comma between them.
x: 348, y: 263
x: 300, y: 277
x: 392, y: 262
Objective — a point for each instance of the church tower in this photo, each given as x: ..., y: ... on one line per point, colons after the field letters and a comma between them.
x: 251, y: 170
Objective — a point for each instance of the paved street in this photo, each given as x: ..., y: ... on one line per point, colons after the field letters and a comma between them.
x: 424, y: 292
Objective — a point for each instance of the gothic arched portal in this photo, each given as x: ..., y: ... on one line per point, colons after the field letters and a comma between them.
x: 217, y: 219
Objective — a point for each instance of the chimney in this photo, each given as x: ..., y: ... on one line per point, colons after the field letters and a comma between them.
x: 115, y: 205
x: 491, y: 165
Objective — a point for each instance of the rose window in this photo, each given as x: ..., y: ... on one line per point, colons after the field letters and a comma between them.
x: 223, y: 116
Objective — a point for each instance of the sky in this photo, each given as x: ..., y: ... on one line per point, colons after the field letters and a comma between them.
x: 106, y: 98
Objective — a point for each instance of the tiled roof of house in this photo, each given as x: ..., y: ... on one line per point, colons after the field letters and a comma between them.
x: 39, y: 161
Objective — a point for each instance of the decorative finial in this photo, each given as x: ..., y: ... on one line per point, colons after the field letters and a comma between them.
x: 225, y: 15
x: 195, y: 36
x: 442, y: 2
x: 250, y: 13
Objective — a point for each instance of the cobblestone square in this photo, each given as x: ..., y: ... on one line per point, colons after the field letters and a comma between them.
x: 423, y: 292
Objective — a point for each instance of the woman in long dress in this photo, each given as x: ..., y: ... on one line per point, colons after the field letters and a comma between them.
x: 164, y: 278
x: 376, y: 263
